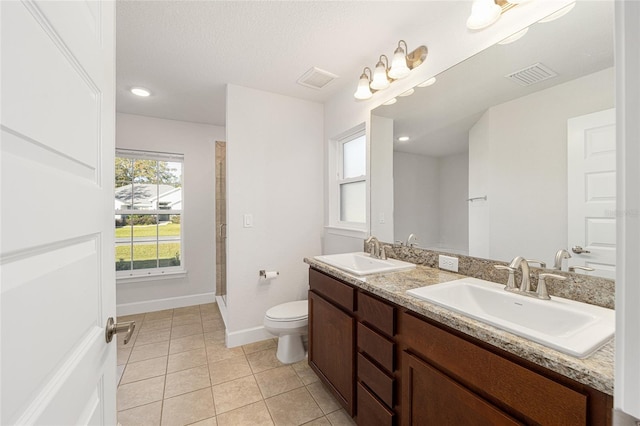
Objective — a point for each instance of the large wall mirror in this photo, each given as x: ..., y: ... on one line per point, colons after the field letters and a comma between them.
x: 509, y: 153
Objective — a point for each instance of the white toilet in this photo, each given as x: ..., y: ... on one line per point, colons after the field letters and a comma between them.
x: 289, y: 321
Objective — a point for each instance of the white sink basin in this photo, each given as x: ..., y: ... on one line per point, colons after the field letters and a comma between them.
x: 363, y: 264
x: 571, y: 327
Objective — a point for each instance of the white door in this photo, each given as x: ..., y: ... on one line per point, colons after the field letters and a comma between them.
x: 57, y: 277
x: 592, y: 191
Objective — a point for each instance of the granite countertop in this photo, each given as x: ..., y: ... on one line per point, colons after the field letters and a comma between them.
x: 595, y: 371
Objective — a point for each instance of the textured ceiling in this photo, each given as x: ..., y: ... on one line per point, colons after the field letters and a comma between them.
x: 185, y: 52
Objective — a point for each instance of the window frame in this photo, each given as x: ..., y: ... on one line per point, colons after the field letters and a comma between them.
x: 159, y: 272
x: 336, y: 170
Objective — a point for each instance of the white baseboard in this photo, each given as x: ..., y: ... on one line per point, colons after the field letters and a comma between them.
x: 246, y: 336
x: 160, y: 304
x: 222, y: 307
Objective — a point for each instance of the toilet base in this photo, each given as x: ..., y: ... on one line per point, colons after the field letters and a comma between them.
x: 290, y: 348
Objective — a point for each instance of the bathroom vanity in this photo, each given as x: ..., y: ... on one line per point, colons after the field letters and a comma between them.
x: 391, y: 359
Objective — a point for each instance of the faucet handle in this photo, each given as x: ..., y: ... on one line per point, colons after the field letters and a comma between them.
x: 511, y: 282
x: 543, y: 265
x: 582, y: 268
x: 542, y: 285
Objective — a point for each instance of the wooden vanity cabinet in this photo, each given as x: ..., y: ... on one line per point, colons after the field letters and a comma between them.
x: 449, y: 378
x: 332, y: 336
x: 390, y: 366
x: 376, y: 361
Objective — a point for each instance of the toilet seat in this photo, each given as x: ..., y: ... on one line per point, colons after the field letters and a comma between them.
x: 289, y: 312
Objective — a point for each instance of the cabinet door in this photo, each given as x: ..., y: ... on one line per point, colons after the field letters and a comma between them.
x: 332, y: 348
x: 432, y: 398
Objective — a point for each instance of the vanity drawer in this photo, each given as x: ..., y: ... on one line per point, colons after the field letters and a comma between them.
x: 332, y: 289
x: 377, y: 347
x: 376, y: 380
x: 377, y: 313
x: 372, y: 412
x: 540, y: 399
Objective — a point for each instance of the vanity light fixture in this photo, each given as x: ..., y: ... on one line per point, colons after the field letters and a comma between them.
x: 140, y: 91
x: 427, y: 83
x: 403, y: 138
x: 399, y: 68
x: 380, y: 78
x: 364, y: 92
x: 483, y: 14
x: 383, y: 75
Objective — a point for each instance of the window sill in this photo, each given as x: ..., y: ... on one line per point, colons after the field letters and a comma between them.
x: 154, y: 276
x: 347, y: 232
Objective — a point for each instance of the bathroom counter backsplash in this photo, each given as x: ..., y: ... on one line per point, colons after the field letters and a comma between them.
x: 580, y: 287
x: 595, y: 371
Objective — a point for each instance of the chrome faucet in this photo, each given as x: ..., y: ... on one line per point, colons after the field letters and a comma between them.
x: 521, y: 262
x: 411, y: 240
x: 525, y: 286
x: 560, y: 256
x: 375, y: 250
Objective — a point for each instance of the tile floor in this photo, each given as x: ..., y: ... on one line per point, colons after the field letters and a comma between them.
x: 176, y: 370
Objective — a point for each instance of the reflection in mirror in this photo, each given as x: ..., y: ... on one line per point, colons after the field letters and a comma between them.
x: 510, y: 153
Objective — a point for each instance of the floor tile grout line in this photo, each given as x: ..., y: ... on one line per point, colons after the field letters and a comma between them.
x: 164, y: 388
x: 206, y: 355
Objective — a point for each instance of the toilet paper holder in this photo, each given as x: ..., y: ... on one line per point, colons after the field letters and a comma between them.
x: 263, y: 273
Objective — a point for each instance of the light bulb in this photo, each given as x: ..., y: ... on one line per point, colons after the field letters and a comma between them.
x: 399, y: 68
x: 140, y: 91
x: 363, y: 92
x: 380, y: 80
x: 483, y: 14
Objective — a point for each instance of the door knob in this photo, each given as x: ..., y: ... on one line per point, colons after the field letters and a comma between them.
x: 118, y: 327
x: 579, y: 250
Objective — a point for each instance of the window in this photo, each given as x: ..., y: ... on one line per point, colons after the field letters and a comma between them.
x: 148, y: 213
x: 349, y: 191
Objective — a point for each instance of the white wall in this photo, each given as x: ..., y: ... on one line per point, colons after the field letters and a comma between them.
x: 453, y: 207
x: 197, y: 143
x: 274, y: 173
x: 527, y: 166
x: 415, y: 198
x: 449, y: 43
x: 430, y: 200
x: 479, y: 184
x: 381, y: 178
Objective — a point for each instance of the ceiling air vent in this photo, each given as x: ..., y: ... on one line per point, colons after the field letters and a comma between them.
x: 532, y: 74
x: 316, y: 78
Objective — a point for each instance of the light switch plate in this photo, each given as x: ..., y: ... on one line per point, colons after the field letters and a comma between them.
x: 448, y: 262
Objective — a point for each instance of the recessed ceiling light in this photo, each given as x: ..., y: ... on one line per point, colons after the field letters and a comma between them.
x: 390, y: 101
x: 403, y: 138
x: 407, y: 93
x: 426, y: 83
x: 140, y: 91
